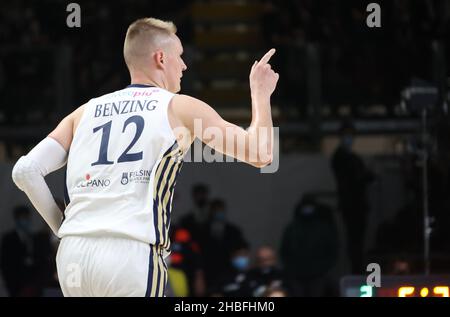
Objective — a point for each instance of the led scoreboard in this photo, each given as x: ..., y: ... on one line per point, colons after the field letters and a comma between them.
x: 396, y: 286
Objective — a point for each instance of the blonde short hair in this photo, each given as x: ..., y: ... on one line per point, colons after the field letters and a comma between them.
x: 141, y: 34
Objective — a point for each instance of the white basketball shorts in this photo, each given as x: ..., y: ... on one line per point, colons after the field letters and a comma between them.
x: 110, y: 267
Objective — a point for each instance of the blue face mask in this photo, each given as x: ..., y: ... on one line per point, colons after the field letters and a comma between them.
x: 241, y: 262
x: 219, y: 216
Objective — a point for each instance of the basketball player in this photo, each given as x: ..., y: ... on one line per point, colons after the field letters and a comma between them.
x: 123, y: 152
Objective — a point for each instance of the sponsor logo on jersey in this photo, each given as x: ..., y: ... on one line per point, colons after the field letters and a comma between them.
x: 139, y: 177
x: 92, y: 182
x: 124, y: 179
x: 133, y: 93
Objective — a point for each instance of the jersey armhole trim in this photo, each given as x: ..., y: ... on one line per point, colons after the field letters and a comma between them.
x: 166, y: 116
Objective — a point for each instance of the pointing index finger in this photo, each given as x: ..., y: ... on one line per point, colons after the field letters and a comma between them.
x: 267, y: 57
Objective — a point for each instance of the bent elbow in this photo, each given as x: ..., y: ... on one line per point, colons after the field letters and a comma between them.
x: 18, y: 173
x: 263, y: 162
x: 21, y: 172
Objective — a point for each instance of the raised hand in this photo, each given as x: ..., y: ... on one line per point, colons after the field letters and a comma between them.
x: 263, y: 79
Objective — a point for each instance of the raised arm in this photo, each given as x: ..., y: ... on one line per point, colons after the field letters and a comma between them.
x: 255, y: 145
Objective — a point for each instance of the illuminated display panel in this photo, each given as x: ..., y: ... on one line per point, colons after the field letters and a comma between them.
x: 397, y: 286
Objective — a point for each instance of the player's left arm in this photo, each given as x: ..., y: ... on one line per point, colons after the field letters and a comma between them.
x: 47, y: 156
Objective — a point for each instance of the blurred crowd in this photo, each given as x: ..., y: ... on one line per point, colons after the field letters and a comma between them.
x: 33, y: 36
x: 359, y: 66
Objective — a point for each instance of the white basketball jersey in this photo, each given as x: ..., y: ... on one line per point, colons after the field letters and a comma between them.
x: 122, y: 167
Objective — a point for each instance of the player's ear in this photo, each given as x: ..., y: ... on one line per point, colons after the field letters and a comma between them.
x: 159, y: 59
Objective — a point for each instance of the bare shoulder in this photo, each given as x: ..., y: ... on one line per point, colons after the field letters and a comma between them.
x: 76, y: 116
x: 65, y: 130
x: 187, y: 108
x: 180, y: 110
x: 178, y: 115
x: 185, y: 103
x: 79, y: 111
x: 196, y: 115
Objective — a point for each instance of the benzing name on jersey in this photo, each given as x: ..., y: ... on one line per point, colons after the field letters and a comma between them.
x: 123, y: 107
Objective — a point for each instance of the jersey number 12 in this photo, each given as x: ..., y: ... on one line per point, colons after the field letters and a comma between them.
x: 125, y: 157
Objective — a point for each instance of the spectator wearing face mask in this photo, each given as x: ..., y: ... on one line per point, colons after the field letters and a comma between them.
x: 234, y: 282
x: 266, y: 274
x: 219, y: 239
x: 195, y: 220
x: 352, y: 179
x: 309, y: 249
x: 17, y: 256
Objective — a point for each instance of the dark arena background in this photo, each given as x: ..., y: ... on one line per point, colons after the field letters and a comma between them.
x: 359, y: 204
